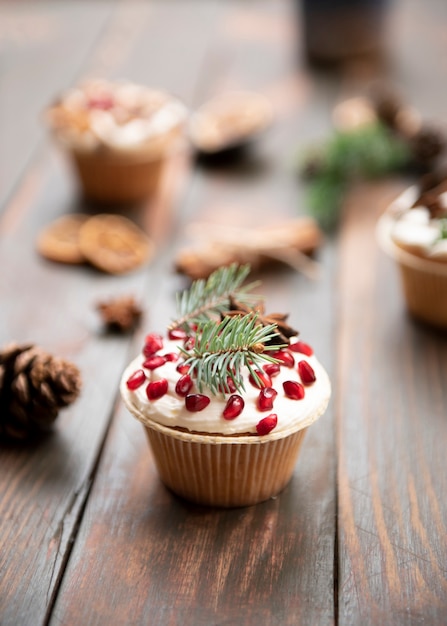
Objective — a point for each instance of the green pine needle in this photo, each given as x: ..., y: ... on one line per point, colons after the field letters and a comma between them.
x: 222, y: 349
x: 207, y: 299
x: 443, y: 229
x: 367, y: 152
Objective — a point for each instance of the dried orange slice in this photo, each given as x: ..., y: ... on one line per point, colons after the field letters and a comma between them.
x: 114, y: 244
x: 59, y: 241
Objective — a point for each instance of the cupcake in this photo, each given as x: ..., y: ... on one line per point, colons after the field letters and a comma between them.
x: 225, y: 395
x: 118, y: 136
x: 413, y: 231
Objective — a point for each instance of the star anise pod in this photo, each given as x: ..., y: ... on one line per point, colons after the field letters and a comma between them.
x: 284, y: 330
x: 120, y: 314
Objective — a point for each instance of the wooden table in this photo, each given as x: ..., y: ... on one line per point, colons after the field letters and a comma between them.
x: 89, y: 536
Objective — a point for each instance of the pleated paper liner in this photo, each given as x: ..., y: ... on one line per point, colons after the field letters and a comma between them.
x: 225, y: 471
x: 424, y: 282
x: 111, y: 176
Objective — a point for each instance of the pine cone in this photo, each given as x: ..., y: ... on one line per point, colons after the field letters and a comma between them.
x: 33, y: 387
x: 427, y: 145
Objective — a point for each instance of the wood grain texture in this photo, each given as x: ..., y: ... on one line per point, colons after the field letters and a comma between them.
x: 44, y: 487
x: 391, y: 438
x: 181, y: 564
x: 33, y: 35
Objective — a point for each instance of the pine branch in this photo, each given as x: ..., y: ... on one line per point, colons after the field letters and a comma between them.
x: 443, y: 229
x: 207, y: 299
x: 221, y: 350
x: 367, y: 152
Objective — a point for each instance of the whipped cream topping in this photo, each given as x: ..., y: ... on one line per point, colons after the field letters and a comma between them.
x: 115, y: 115
x: 414, y: 228
x: 170, y: 410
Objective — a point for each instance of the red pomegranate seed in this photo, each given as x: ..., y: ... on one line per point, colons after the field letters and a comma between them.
x: 183, y: 386
x: 152, y: 344
x: 182, y: 368
x: 265, y: 380
x: 306, y: 373
x: 171, y: 356
x: 293, y: 390
x: 136, y: 380
x: 196, y: 402
x: 266, y: 398
x: 104, y: 102
x: 285, y: 357
x: 230, y: 387
x: 267, y: 424
x: 234, y: 407
x: 153, y: 362
x: 189, y: 343
x: 177, y: 333
x: 271, y: 369
x: 300, y: 346
x: 156, y: 389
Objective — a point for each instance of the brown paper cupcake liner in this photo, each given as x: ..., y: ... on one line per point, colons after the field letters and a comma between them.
x: 112, y: 180
x: 424, y: 281
x: 225, y: 475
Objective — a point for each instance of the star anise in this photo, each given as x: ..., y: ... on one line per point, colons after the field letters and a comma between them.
x: 284, y: 330
x: 120, y: 314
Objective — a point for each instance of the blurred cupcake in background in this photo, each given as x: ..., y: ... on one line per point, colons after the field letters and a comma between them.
x: 413, y: 231
x: 118, y: 136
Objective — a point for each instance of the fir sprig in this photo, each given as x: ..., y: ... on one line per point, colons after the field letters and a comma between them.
x: 443, y: 229
x: 207, y: 299
x: 222, y: 349
x: 366, y: 152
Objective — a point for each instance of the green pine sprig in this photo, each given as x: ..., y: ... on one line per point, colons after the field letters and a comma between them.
x: 443, y: 229
x: 222, y: 349
x: 366, y: 152
x: 207, y: 299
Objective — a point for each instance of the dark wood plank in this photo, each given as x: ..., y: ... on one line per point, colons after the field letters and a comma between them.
x: 391, y: 439
x: 44, y: 486
x: 34, y: 35
x: 178, y: 563
x: 391, y: 429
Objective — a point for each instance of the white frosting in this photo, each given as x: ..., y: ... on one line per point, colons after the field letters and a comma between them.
x: 130, y: 119
x: 414, y: 228
x: 169, y: 410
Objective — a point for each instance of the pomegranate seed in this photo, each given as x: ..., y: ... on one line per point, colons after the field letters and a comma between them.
x: 136, y: 380
x: 265, y: 399
x: 306, y: 373
x: 234, y: 407
x: 183, y: 386
x: 153, y: 362
x: 231, y: 387
x: 267, y: 424
x: 156, y: 389
x: 300, y: 346
x: 189, y: 343
x: 182, y: 368
x: 171, y: 356
x: 293, y: 390
x: 285, y: 357
x: 271, y: 369
x: 196, y: 402
x: 152, y: 344
x: 177, y: 333
x: 101, y: 102
x: 265, y: 379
